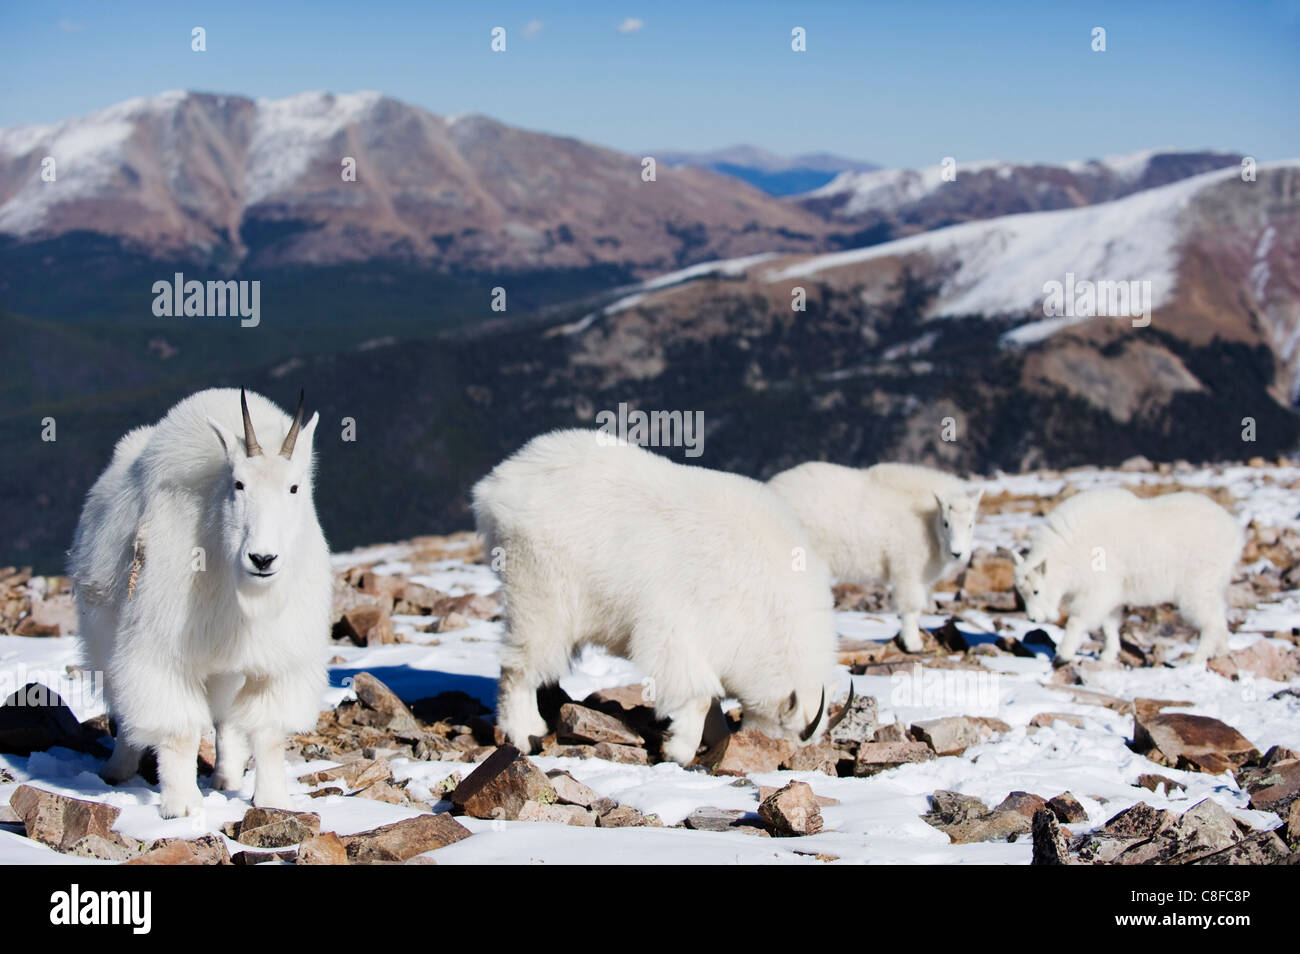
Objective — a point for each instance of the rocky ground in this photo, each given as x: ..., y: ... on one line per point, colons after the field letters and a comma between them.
x: 977, y: 749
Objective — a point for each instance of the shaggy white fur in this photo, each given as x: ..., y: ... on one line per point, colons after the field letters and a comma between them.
x: 897, y: 523
x: 1104, y: 549
x: 704, y: 579
x: 203, y: 590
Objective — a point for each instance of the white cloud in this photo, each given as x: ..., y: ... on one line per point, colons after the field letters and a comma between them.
x: 630, y: 25
x: 532, y: 28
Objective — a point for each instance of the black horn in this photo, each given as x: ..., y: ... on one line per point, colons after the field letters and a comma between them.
x: 251, y: 447
x: 292, y: 437
x: 807, y: 733
x: 839, y: 716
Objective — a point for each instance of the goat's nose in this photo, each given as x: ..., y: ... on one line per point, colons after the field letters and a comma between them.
x: 262, y: 561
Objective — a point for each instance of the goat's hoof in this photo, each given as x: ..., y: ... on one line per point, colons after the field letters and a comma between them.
x: 180, y: 804
x: 227, y: 783
x: 278, y: 800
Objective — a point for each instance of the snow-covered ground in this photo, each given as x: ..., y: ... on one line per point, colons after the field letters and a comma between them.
x: 877, y: 819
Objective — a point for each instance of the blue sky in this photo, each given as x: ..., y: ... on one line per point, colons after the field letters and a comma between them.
x: 900, y: 84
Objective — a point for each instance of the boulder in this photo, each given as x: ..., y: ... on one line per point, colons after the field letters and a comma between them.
x: 821, y: 756
x: 857, y: 722
x: 323, y: 849
x: 273, y: 827
x: 1067, y: 809
x: 35, y: 718
x: 501, y: 784
x: 1273, y: 783
x: 792, y: 811
x: 1049, y: 841
x: 381, y: 706
x: 366, y: 625
x: 1022, y: 803
x: 746, y: 752
x: 966, y: 820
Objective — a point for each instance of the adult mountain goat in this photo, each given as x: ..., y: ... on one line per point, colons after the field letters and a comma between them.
x: 203, y: 591
x: 705, y: 580
x: 1104, y: 549
x: 898, y: 523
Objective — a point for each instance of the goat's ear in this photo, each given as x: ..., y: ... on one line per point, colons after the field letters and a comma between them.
x: 792, y: 704
x: 308, y: 432
x: 229, y: 442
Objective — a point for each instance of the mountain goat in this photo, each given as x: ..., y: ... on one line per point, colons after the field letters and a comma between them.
x: 1103, y: 549
x: 897, y: 523
x: 705, y: 580
x: 203, y: 588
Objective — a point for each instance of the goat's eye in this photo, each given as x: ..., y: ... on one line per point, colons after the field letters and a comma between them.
x: 293, y: 489
x: 239, y: 485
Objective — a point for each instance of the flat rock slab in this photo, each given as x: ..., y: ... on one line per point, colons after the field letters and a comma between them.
x: 709, y: 818
x: 354, y: 775
x: 404, y: 839
x: 557, y: 814
x: 59, y: 821
x: 874, y: 757
x: 625, y: 816
x: 582, y: 725
x: 569, y: 791
x: 1192, y: 742
x: 204, y: 850
x: 953, y: 735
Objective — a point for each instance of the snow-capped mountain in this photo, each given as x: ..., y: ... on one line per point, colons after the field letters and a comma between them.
x: 774, y: 174
x: 232, y: 180
x: 894, y: 202
x: 952, y: 323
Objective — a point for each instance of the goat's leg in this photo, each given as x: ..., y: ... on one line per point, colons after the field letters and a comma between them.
x: 178, y: 775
